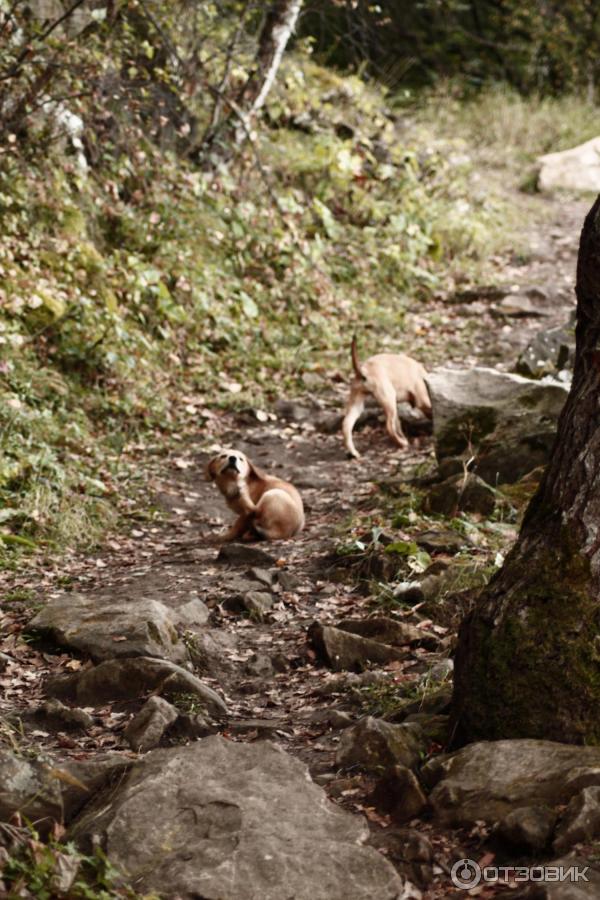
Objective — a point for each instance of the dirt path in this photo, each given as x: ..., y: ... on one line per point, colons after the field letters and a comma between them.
x: 273, y: 680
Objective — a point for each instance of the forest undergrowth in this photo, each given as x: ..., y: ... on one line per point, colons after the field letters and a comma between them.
x: 143, y: 292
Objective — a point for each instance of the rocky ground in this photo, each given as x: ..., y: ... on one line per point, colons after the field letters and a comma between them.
x: 318, y: 646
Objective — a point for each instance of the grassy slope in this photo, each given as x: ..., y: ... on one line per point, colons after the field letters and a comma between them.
x: 137, y: 295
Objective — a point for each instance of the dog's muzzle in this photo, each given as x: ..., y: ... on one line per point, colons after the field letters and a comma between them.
x: 232, y: 464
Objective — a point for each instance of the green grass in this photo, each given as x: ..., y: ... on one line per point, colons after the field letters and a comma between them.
x: 504, y: 129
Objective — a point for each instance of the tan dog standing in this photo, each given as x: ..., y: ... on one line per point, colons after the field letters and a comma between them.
x: 390, y: 378
x: 267, y: 507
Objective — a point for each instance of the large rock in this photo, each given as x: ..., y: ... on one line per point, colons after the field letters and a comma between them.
x: 576, y: 169
x: 527, y: 829
x: 581, y: 882
x: 509, y: 422
x: 129, y: 679
x: 581, y: 820
x: 233, y: 821
x: 31, y: 788
x: 487, y: 780
x: 104, y: 627
x: 378, y: 746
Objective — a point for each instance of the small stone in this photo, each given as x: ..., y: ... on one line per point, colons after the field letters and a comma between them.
x: 388, y: 631
x: 291, y: 411
x: 517, y: 306
x: 258, y: 603
x: 146, y: 729
x: 548, y: 353
x: 343, y: 650
x: 335, y: 718
x: 528, y: 828
x: 351, y: 682
x: 399, y: 794
x: 192, y: 727
x: 57, y: 715
x: 460, y: 494
x: 193, y: 613
x: 263, y: 575
x: 259, y: 665
x: 280, y: 662
x: 441, y: 541
x: 244, y: 555
x: 410, y: 851
x: 435, y: 728
x: 375, y: 745
x: 287, y: 581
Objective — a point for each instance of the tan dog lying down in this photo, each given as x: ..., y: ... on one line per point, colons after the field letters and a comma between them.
x: 390, y: 378
x: 268, y: 507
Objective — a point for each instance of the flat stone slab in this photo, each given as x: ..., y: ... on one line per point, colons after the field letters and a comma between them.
x: 129, y: 679
x: 487, y: 780
x: 233, y: 821
x: 103, y: 627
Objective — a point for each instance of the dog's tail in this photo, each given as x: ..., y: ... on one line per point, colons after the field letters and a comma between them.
x: 355, y: 360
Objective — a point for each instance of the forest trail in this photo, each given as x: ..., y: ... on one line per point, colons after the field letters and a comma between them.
x: 273, y: 680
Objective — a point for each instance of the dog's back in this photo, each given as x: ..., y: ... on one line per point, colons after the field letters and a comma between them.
x: 389, y: 377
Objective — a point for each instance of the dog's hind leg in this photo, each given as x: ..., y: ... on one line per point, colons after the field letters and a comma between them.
x: 239, y: 528
x: 386, y: 396
x: 356, y: 404
x: 420, y: 398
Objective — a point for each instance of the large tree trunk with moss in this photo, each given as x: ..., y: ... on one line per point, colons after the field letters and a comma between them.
x: 528, y: 658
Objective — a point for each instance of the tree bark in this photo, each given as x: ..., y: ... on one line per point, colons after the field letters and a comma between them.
x: 236, y: 126
x: 528, y: 656
x: 278, y: 26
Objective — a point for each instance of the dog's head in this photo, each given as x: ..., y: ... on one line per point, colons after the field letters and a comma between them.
x: 228, y: 467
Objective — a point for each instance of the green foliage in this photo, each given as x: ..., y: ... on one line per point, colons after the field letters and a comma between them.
x: 540, y: 47
x: 150, y: 277
x: 54, y: 870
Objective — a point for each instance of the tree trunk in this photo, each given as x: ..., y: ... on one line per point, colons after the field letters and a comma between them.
x: 528, y: 657
x: 278, y: 26
x: 236, y: 126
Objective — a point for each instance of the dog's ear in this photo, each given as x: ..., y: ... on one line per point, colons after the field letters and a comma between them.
x: 255, y: 471
x: 209, y: 471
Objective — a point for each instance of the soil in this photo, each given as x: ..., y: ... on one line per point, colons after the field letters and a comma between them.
x: 268, y: 672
